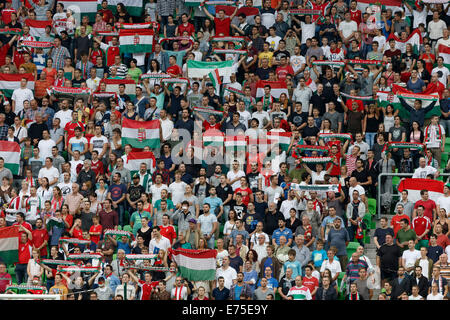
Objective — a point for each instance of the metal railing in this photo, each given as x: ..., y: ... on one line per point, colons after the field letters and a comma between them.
x: 388, y: 174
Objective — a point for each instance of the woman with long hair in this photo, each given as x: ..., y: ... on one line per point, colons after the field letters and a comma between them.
x: 57, y: 200
x: 443, y: 221
x: 130, y: 112
x: 370, y: 125
x: 34, y: 269
x: 389, y: 115
x: 43, y: 191
x: 66, y: 216
x: 134, y: 71
x: 5, y: 190
x: 208, y: 30
x: 123, y: 13
x: 252, y: 256
x: 155, y: 67
x: 383, y: 85
x: 229, y: 226
x: 101, y: 191
x: 50, y: 72
x: 145, y: 231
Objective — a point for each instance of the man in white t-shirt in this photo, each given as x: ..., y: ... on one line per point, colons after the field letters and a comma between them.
x: 410, y: 256
x: 442, y: 71
x: 234, y: 175
x: 445, y: 41
x: 49, y: 172
x: 347, y: 29
x: 158, y: 242
x: 166, y: 125
x: 99, y: 142
x: 180, y: 290
x: 444, y: 201
x: 78, y: 143
x: 355, y: 186
x: 20, y: 95
x: 297, y: 61
x: 423, y: 170
x: 46, y: 144
x: 333, y: 265
x: 157, y: 187
x: 227, y: 272
x: 65, y: 114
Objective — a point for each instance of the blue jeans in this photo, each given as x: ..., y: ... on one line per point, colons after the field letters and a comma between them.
x: 211, y: 242
x: 369, y: 138
x: 121, y: 212
x: 21, y: 273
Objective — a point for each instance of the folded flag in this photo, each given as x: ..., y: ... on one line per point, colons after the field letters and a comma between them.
x: 316, y: 187
x: 155, y: 75
x: 9, y: 244
x: 141, y: 133
x: 136, y: 158
x: 12, y: 31
x: 403, y: 145
x: 141, y: 256
x: 366, y: 62
x: 340, y: 136
x: 363, y: 98
x: 145, y: 25
x: 415, y: 39
x: 37, y: 27
x: 328, y: 63
x: 112, y: 85
x: 282, y: 139
x: 85, y: 256
x: 37, y: 44
x: 233, y: 143
x: 435, y: 188
x: 135, y: 40
x: 215, y: 79
x: 58, y: 262
x: 316, y: 159
x: 10, y: 152
x: 213, y: 138
x: 276, y: 88
x: 198, y: 69
x: 195, y: 265
x: 444, y: 52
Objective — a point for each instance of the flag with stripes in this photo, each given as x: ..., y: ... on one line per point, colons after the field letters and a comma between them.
x: 134, y: 7
x: 283, y: 139
x: 112, y: 85
x: 37, y: 28
x: 10, y: 82
x: 9, y: 244
x: 444, y: 52
x: 82, y: 8
x: 235, y: 143
x: 276, y: 88
x: 140, y: 133
x: 136, y: 158
x: 213, y: 138
x: 135, y: 40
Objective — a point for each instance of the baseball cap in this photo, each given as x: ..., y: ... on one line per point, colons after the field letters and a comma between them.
x: 135, y: 176
x: 192, y: 220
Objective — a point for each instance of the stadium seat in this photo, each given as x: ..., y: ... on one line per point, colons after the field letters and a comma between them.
x: 444, y: 159
x: 128, y: 228
x: 351, y: 248
x: 372, y: 206
x: 119, y: 227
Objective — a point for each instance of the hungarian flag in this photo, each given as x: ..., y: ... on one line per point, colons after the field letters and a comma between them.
x: 135, y: 40
x: 195, y: 265
x: 444, y: 52
x: 277, y: 88
x: 134, y: 7
x: 37, y: 28
x: 198, y: 69
x: 385, y: 98
x: 250, y: 13
x: 192, y: 3
x: 9, y: 244
x: 415, y: 38
x: 112, y: 85
x: 283, y: 139
x: 10, y: 82
x: 435, y: 188
x: 140, y: 133
x: 213, y: 137
x: 82, y: 7
x: 233, y: 143
x: 10, y: 152
x: 215, y: 79
x: 135, y: 158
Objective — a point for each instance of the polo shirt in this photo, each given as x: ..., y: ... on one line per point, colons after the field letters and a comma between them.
x: 278, y: 233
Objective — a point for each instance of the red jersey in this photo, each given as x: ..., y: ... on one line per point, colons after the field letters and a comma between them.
x: 95, y: 229
x: 25, y: 252
x: 429, y: 205
x: 25, y: 225
x: 18, y: 58
x: 359, y: 102
x: 356, y: 16
x: 39, y: 236
x: 95, y: 54
x: 209, y: 126
x: 97, y: 167
x: 3, y: 52
x: 443, y: 241
x: 246, y: 193
x: 311, y: 284
x: 168, y: 232
x: 70, y: 129
x: 189, y: 28
x: 420, y: 224
x: 5, y: 281
x: 282, y: 72
x: 6, y: 16
x: 146, y: 289
x: 77, y: 233
x: 175, y: 70
x: 111, y: 53
x: 106, y: 14
x: 204, y: 298
x: 222, y: 26
x: 336, y: 171
x: 395, y: 222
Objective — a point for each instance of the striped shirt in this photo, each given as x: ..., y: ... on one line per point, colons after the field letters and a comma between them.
x: 122, y: 70
x: 58, y: 55
x: 300, y: 293
x: 165, y: 8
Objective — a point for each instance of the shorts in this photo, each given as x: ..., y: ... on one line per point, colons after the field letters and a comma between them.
x: 387, y: 275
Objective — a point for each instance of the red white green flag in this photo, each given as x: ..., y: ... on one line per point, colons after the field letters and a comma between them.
x: 141, y: 133
x: 9, y: 244
x: 135, y: 40
x: 195, y: 265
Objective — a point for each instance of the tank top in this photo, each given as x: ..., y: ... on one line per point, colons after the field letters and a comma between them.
x: 388, y: 122
x: 372, y: 124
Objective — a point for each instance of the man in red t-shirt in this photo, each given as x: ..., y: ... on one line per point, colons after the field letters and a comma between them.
x: 284, y: 69
x: 20, y: 221
x: 355, y: 14
x: 40, y: 238
x: 167, y: 230
x: 5, y: 278
x: 4, y: 49
x: 185, y: 26
x: 106, y: 14
x: 395, y: 222
x: 25, y: 249
x: 310, y: 282
x: 428, y: 204
x: 95, y: 231
x: 421, y: 224
x: 221, y: 22
x: 69, y: 129
x: 146, y: 286
x: 174, y: 70
x: 245, y: 191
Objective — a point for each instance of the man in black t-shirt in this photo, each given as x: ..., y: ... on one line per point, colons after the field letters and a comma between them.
x: 286, y: 283
x: 260, y: 205
x: 238, y: 206
x: 255, y: 178
x: 310, y: 130
x: 362, y: 175
x: 388, y: 259
x: 225, y: 193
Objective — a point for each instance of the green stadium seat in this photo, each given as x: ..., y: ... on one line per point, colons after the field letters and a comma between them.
x: 367, y: 236
x: 447, y: 140
x: 128, y: 228
x: 351, y: 248
x: 372, y: 206
x: 444, y: 159
x: 119, y: 227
